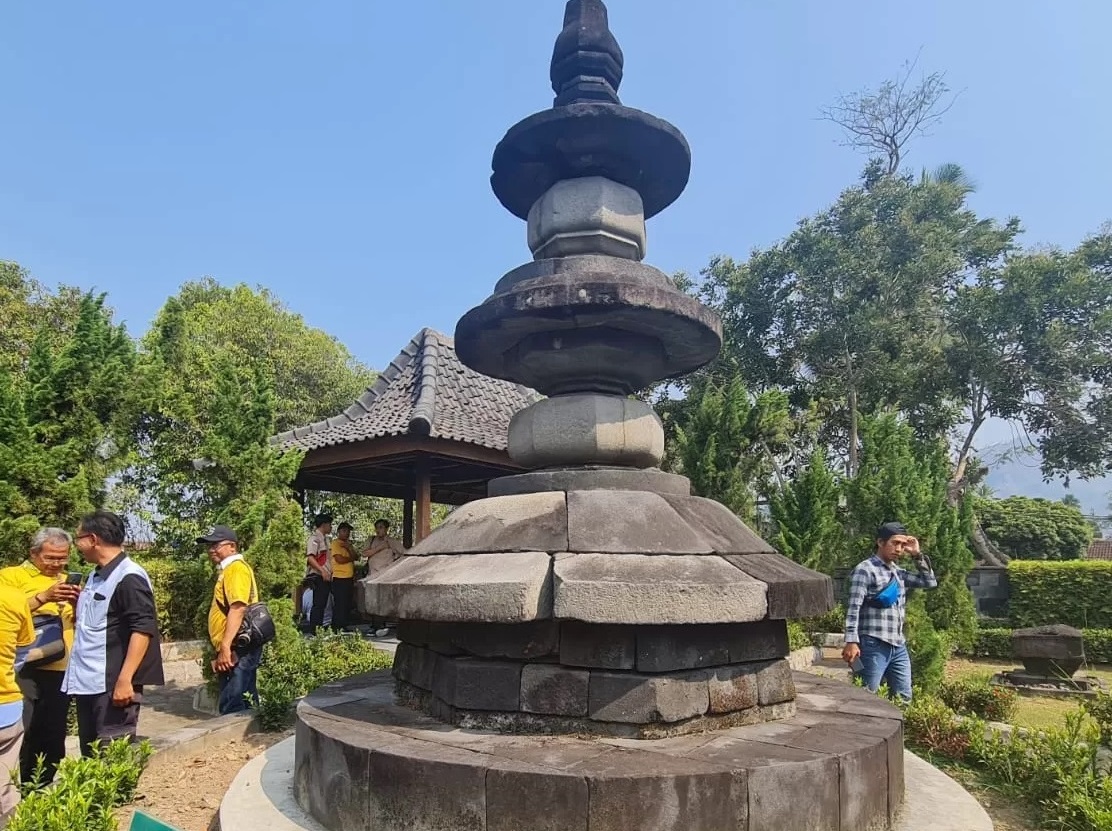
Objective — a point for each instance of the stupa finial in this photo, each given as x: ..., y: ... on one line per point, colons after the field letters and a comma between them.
x: 586, y: 61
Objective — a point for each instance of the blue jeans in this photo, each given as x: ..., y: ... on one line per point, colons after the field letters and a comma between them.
x: 240, y: 682
x: 881, y: 661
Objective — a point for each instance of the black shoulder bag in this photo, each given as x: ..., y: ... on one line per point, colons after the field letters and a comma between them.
x: 257, y: 628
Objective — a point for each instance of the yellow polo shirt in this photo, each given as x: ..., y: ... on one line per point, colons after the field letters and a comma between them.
x: 16, y: 629
x: 236, y: 584
x: 29, y: 580
x: 341, y: 552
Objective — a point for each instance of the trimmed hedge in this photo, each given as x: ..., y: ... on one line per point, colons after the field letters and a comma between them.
x: 181, y: 587
x: 1077, y: 593
x: 997, y: 644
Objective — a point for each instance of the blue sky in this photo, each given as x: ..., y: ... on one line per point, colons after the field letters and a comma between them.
x: 338, y: 152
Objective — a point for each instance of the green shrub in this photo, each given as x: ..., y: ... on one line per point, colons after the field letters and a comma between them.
x: 931, y: 726
x: 798, y: 638
x: 1028, y: 528
x: 927, y: 647
x: 832, y: 621
x: 1098, y: 645
x: 953, y: 610
x: 1077, y: 593
x: 181, y: 587
x: 1100, y: 711
x: 85, y: 791
x: 294, y: 665
x: 974, y: 696
x: 992, y: 643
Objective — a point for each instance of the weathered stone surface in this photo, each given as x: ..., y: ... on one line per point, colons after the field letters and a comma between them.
x: 1050, y: 651
x: 793, y: 591
x: 586, y: 61
x: 788, y: 788
x: 719, y: 527
x: 554, y: 690
x: 774, y: 683
x: 586, y: 429
x: 667, y: 648
x: 519, y: 641
x: 732, y: 689
x: 415, y: 665
x: 632, y: 789
x: 628, y: 522
x: 424, y: 775
x: 524, y: 522
x: 633, y: 588
x: 589, y: 215
x: 590, y: 479
x: 640, y: 699
x: 453, y: 794
x: 414, y: 632
x: 473, y: 684
x: 864, y: 765
x: 600, y: 646
x: 535, y: 800
x: 337, y: 793
x: 492, y: 588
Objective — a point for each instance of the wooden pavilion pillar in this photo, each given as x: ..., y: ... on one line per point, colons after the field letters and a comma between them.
x: 407, y: 523
x: 424, y: 499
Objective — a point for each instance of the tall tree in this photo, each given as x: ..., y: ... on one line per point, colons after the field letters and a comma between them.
x: 881, y: 122
x: 61, y: 431
x: 1036, y: 529
x: 806, y: 517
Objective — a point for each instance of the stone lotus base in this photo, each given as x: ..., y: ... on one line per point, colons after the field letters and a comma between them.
x: 365, y: 762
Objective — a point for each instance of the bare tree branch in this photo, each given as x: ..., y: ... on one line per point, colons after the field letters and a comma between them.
x: 886, y: 119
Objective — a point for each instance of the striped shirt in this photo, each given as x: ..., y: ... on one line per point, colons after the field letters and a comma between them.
x: 868, y: 578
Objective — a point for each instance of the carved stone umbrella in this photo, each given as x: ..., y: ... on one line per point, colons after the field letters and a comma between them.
x: 594, y: 599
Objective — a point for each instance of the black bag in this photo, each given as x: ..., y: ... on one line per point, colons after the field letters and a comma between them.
x: 257, y: 628
x: 48, y: 645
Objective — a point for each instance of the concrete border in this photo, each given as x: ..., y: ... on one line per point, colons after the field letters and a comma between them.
x: 175, y: 747
x: 261, y: 796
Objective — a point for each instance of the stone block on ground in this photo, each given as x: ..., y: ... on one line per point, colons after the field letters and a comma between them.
x: 732, y: 689
x: 635, y: 588
x: 549, y: 689
x: 793, y: 590
x: 775, y: 684
x: 632, y: 698
x: 538, y: 801
x: 491, y: 588
x: 415, y: 665
x: 597, y: 645
x: 523, y: 522
x: 474, y: 684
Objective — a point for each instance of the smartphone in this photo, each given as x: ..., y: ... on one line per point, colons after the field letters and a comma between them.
x: 74, y: 578
x: 857, y: 666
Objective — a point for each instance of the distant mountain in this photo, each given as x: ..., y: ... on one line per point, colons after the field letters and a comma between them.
x: 1011, y: 474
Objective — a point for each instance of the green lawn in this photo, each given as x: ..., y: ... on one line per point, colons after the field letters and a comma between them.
x: 1030, y: 712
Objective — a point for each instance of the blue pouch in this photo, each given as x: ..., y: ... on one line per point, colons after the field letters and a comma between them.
x: 887, y: 597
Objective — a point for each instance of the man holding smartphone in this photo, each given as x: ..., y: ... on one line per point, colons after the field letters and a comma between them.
x: 42, y: 579
x: 875, y: 647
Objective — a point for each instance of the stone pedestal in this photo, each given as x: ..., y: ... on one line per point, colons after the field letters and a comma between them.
x: 592, y: 645
x: 1055, y: 651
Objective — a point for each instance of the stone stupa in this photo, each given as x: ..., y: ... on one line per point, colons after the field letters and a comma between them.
x: 591, y: 646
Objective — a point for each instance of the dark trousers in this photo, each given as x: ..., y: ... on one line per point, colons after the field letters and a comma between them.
x: 343, y: 592
x: 241, y: 683
x: 320, y: 588
x: 98, y: 719
x: 45, y: 708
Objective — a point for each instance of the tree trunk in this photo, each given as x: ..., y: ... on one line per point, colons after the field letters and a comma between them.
x: 986, y: 550
x: 853, y: 430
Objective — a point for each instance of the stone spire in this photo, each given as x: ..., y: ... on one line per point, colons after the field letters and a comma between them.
x: 561, y: 555
x: 586, y: 61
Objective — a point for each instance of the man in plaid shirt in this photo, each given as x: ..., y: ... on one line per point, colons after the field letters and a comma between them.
x: 875, y: 644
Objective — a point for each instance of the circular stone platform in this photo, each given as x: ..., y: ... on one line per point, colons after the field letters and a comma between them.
x: 365, y: 762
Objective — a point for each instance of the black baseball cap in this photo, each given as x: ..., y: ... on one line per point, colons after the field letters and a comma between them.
x: 890, y: 529
x: 219, y: 533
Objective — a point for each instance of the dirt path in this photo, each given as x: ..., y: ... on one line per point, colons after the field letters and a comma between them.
x: 187, y: 793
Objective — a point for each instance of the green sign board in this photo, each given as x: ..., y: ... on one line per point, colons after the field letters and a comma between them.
x: 142, y: 822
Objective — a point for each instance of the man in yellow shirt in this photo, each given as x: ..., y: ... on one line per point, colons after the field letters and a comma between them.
x: 235, y: 590
x: 16, y: 630
x: 343, y: 576
x: 42, y: 579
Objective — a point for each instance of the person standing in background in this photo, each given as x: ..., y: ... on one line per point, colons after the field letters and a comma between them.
x: 382, y: 550
x: 320, y: 573
x: 116, y: 649
x: 343, y: 576
x: 16, y: 630
x: 42, y: 579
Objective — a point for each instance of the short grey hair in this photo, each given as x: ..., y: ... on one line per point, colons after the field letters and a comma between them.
x: 45, y: 535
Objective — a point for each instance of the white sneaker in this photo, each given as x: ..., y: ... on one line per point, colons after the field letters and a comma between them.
x: 382, y: 633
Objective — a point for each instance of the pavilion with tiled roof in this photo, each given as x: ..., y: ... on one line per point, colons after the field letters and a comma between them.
x: 428, y: 430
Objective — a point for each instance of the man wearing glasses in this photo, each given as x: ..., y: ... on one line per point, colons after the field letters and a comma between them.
x: 116, y: 651
x: 235, y: 590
